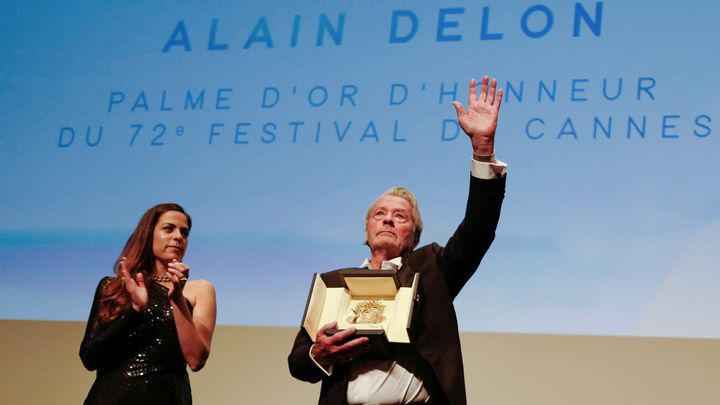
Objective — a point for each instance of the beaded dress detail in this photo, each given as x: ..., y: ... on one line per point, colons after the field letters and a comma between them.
x: 138, y: 357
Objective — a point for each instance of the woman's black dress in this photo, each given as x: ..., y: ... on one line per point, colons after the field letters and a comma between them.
x: 138, y: 357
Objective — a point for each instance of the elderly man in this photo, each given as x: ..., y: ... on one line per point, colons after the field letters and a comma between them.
x: 428, y: 370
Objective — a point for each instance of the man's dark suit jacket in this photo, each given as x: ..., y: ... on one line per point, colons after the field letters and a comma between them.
x: 443, y: 273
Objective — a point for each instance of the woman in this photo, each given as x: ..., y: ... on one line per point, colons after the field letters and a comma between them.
x: 149, y: 322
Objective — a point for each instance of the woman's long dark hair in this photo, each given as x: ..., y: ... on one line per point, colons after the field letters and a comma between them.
x: 139, y: 253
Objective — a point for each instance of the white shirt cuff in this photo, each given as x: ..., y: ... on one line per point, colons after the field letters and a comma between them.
x: 327, y: 372
x: 487, y: 171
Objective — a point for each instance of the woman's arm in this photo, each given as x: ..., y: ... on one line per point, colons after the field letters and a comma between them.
x: 195, y: 328
x: 99, y: 347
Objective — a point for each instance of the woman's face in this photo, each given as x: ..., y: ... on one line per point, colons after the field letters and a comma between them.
x: 170, y: 237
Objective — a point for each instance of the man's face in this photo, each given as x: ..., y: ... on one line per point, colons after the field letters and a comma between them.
x: 390, y: 227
